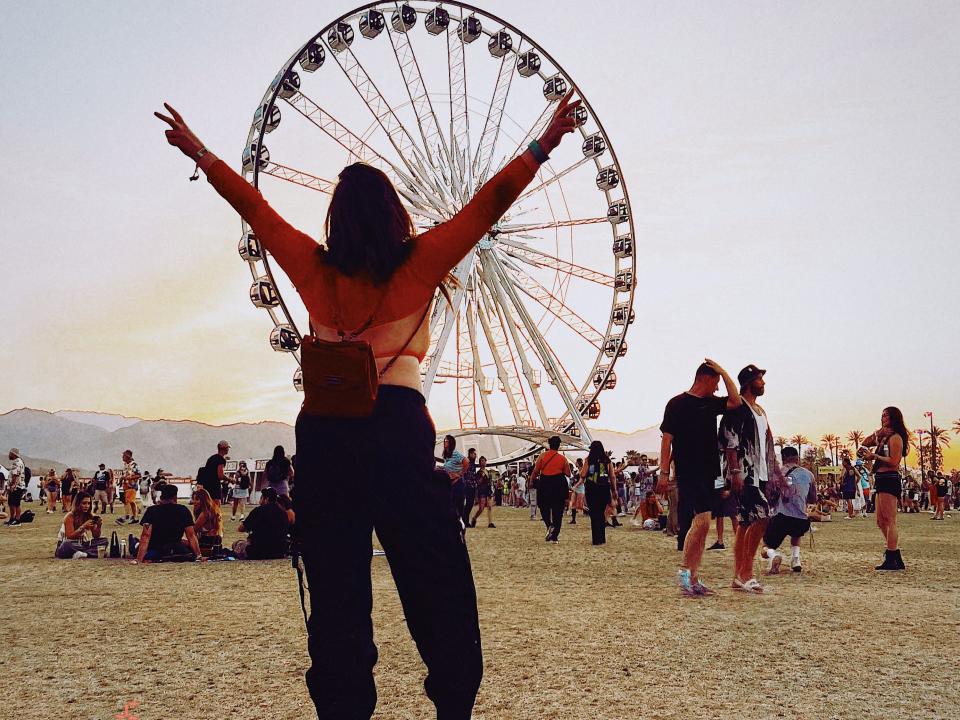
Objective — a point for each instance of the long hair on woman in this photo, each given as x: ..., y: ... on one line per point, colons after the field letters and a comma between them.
x: 79, y: 515
x: 899, y: 427
x: 204, y: 505
x: 450, y: 446
x: 597, y: 454
x: 367, y: 227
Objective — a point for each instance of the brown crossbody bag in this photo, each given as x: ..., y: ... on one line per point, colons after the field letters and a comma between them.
x: 340, y: 378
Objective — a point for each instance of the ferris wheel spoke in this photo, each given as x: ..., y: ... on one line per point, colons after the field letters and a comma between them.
x: 542, y: 349
x: 434, y: 144
x: 359, y: 149
x: 479, y: 378
x: 538, y: 258
x: 506, y: 295
x: 443, y: 318
x: 298, y: 177
x: 515, y: 228
x: 539, y: 125
x: 554, y: 178
x: 459, y: 119
x: 388, y: 121
x: 559, y: 309
x: 491, y: 126
x: 504, y: 360
x: 466, y: 380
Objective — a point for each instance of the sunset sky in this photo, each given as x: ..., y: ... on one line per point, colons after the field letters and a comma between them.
x: 794, y: 171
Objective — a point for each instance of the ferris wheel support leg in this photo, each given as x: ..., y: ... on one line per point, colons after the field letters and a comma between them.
x: 540, y: 345
x: 528, y: 371
x: 503, y: 372
x: 461, y: 272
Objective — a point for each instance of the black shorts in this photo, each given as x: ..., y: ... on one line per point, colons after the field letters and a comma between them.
x: 696, y: 496
x: 728, y: 506
x: 14, y: 497
x: 848, y: 494
x: 888, y: 482
x: 780, y: 526
x: 753, y: 506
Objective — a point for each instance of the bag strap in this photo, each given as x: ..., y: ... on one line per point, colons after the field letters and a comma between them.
x: 413, y: 334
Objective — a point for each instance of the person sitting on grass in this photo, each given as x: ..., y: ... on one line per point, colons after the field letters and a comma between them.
x: 269, y: 529
x: 207, y: 521
x: 164, y: 527
x: 649, y: 509
x: 79, y: 534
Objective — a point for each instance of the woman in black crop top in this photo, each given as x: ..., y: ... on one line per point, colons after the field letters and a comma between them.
x: 890, y: 445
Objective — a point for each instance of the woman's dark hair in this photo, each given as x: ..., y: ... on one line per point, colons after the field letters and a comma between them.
x: 554, y: 442
x: 899, y: 427
x: 79, y: 515
x: 448, y: 451
x: 278, y: 453
x: 367, y: 227
x: 597, y: 454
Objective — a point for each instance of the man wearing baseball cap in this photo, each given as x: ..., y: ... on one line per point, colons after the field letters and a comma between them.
x: 211, y: 477
x: 750, y: 467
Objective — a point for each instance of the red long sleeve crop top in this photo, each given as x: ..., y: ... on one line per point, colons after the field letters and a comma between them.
x: 435, y: 253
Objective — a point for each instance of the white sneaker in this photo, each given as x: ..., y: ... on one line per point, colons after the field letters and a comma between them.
x: 241, y: 517
x: 79, y: 555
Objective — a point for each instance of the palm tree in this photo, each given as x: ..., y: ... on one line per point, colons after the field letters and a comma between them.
x: 830, y: 440
x: 780, y: 441
x: 800, y: 440
x: 956, y: 427
x: 855, y: 437
x: 940, y: 440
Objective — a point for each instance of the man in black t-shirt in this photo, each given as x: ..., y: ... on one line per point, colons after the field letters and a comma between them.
x: 212, y: 478
x: 269, y: 530
x: 164, y: 527
x: 690, y: 440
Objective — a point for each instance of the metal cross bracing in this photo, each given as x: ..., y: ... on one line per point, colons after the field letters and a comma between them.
x: 298, y: 177
x: 396, y: 132
x: 491, y: 125
x: 459, y: 118
x: 554, y: 178
x: 466, y: 380
x: 559, y: 309
x: 538, y: 258
x: 520, y: 228
x: 434, y: 144
x: 491, y: 320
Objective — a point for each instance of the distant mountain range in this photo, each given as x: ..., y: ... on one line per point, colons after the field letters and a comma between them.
x: 86, y: 439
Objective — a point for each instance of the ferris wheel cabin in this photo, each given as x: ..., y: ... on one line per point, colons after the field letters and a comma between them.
x: 593, y: 145
x: 528, y: 64
x: 469, y: 29
x: 371, y: 23
x: 298, y: 380
x: 579, y: 116
x: 623, y: 281
x: 623, y: 246
x: 611, y: 381
x: 283, y: 338
x: 623, y: 314
x: 500, y: 43
x: 592, y: 410
x: 617, y: 213
x: 265, y: 118
x: 312, y: 57
x: 437, y: 20
x: 615, y: 347
x: 289, y: 83
x: 403, y: 19
x: 263, y: 294
x: 340, y: 37
x: 263, y: 157
x: 608, y: 178
x: 555, y: 88
x: 249, y: 247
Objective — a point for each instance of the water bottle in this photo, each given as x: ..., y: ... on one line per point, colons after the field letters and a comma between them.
x: 123, y: 548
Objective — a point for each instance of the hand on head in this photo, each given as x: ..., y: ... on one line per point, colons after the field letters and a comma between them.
x: 179, y: 135
x: 562, y: 123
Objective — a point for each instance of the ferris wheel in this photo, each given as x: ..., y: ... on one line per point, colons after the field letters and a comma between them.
x: 539, y: 317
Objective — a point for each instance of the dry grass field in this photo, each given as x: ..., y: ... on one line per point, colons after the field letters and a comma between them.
x: 569, y: 631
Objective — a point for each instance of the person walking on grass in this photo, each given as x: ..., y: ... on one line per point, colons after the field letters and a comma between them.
x: 790, y: 513
x: 890, y: 444
x: 549, y: 478
x: 598, y: 475
x: 484, y: 494
x: 52, y: 486
x: 16, y: 486
x: 241, y: 490
x: 750, y: 466
x: 689, y: 430
x: 130, y: 481
x: 375, y: 274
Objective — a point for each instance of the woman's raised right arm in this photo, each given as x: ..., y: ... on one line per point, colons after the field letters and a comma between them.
x: 294, y: 251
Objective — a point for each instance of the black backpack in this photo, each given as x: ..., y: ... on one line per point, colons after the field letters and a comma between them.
x: 114, y: 545
x: 26, y: 475
x: 27, y: 516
